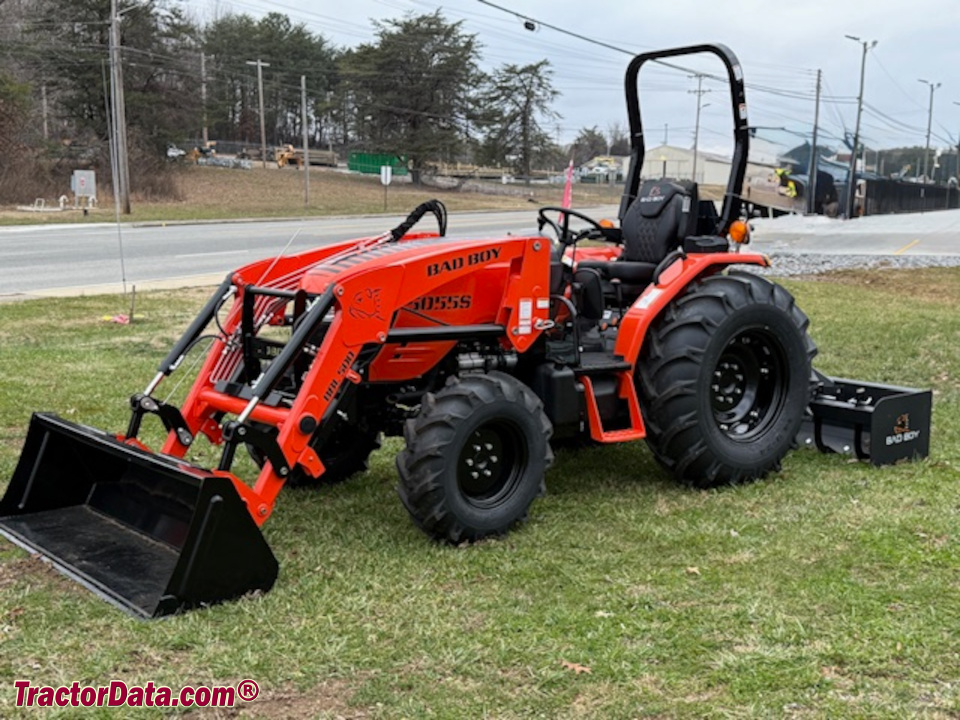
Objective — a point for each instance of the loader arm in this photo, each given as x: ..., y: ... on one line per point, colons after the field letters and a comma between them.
x: 364, y: 300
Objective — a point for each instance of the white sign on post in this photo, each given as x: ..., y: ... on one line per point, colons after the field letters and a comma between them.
x: 386, y: 175
x: 84, y: 183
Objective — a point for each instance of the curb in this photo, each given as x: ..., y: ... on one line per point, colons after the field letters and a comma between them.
x: 232, y: 221
x: 367, y: 216
x: 116, y: 288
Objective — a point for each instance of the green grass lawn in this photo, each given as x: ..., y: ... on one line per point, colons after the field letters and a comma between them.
x: 829, y: 590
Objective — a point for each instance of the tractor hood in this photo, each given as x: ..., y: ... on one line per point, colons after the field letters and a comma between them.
x: 430, y: 257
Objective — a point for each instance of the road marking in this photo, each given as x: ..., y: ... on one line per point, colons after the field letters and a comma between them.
x: 212, y: 254
x: 906, y: 247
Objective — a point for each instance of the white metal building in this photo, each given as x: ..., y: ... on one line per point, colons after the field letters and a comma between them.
x: 677, y: 163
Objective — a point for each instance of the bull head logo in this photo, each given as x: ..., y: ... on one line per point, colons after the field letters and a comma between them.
x: 366, y: 305
x: 903, y: 424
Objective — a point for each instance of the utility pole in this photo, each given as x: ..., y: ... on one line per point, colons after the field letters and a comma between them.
x: 122, y: 179
x: 263, y: 128
x: 699, y: 92
x: 926, y: 152
x: 306, y: 144
x: 203, y: 95
x: 956, y: 174
x: 852, y: 179
x: 666, y: 132
x: 43, y: 96
x: 812, y: 172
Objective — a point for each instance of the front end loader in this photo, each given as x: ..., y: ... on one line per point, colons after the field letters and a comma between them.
x: 480, y: 353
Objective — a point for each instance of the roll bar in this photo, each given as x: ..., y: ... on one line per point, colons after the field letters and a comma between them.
x: 738, y: 106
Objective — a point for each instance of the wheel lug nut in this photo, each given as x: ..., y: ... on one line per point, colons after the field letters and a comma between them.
x: 488, y: 446
x: 494, y: 459
x: 487, y: 473
x: 739, y: 377
x: 477, y: 448
x: 469, y: 462
x: 715, y: 387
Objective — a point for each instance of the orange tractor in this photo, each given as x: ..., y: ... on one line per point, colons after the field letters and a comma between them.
x: 479, y: 352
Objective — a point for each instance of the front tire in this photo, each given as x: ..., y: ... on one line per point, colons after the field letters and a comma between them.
x: 475, y: 458
x: 725, y: 380
x: 345, y: 453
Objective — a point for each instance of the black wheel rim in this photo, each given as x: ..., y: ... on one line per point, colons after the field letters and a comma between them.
x: 748, y: 386
x: 491, y: 463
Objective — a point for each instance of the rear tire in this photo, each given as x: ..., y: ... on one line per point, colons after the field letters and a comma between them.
x: 725, y: 380
x: 475, y: 458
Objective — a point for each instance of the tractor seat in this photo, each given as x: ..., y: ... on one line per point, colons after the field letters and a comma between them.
x: 655, y: 224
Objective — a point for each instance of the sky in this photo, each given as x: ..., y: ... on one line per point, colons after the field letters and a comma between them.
x: 781, y: 45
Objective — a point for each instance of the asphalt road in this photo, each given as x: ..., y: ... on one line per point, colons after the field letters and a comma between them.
x: 70, y: 259
x: 49, y: 260
x: 931, y: 233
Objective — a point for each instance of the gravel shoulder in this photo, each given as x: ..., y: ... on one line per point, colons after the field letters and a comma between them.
x: 791, y: 264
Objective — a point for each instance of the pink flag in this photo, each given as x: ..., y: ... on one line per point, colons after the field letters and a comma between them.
x: 568, y: 188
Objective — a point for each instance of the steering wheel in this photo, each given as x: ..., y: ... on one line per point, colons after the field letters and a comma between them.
x: 563, y: 233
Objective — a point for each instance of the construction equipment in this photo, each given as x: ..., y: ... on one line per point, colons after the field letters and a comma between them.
x: 478, y: 352
x: 288, y: 155
x: 207, y: 150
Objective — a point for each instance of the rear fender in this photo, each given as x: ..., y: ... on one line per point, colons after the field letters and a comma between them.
x: 672, y: 282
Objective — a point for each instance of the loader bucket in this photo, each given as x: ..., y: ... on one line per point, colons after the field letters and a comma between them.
x: 880, y: 423
x: 149, y: 533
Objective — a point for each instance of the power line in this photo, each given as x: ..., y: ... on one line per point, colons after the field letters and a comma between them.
x: 895, y: 124
x: 896, y: 84
x: 673, y: 66
x: 570, y: 33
